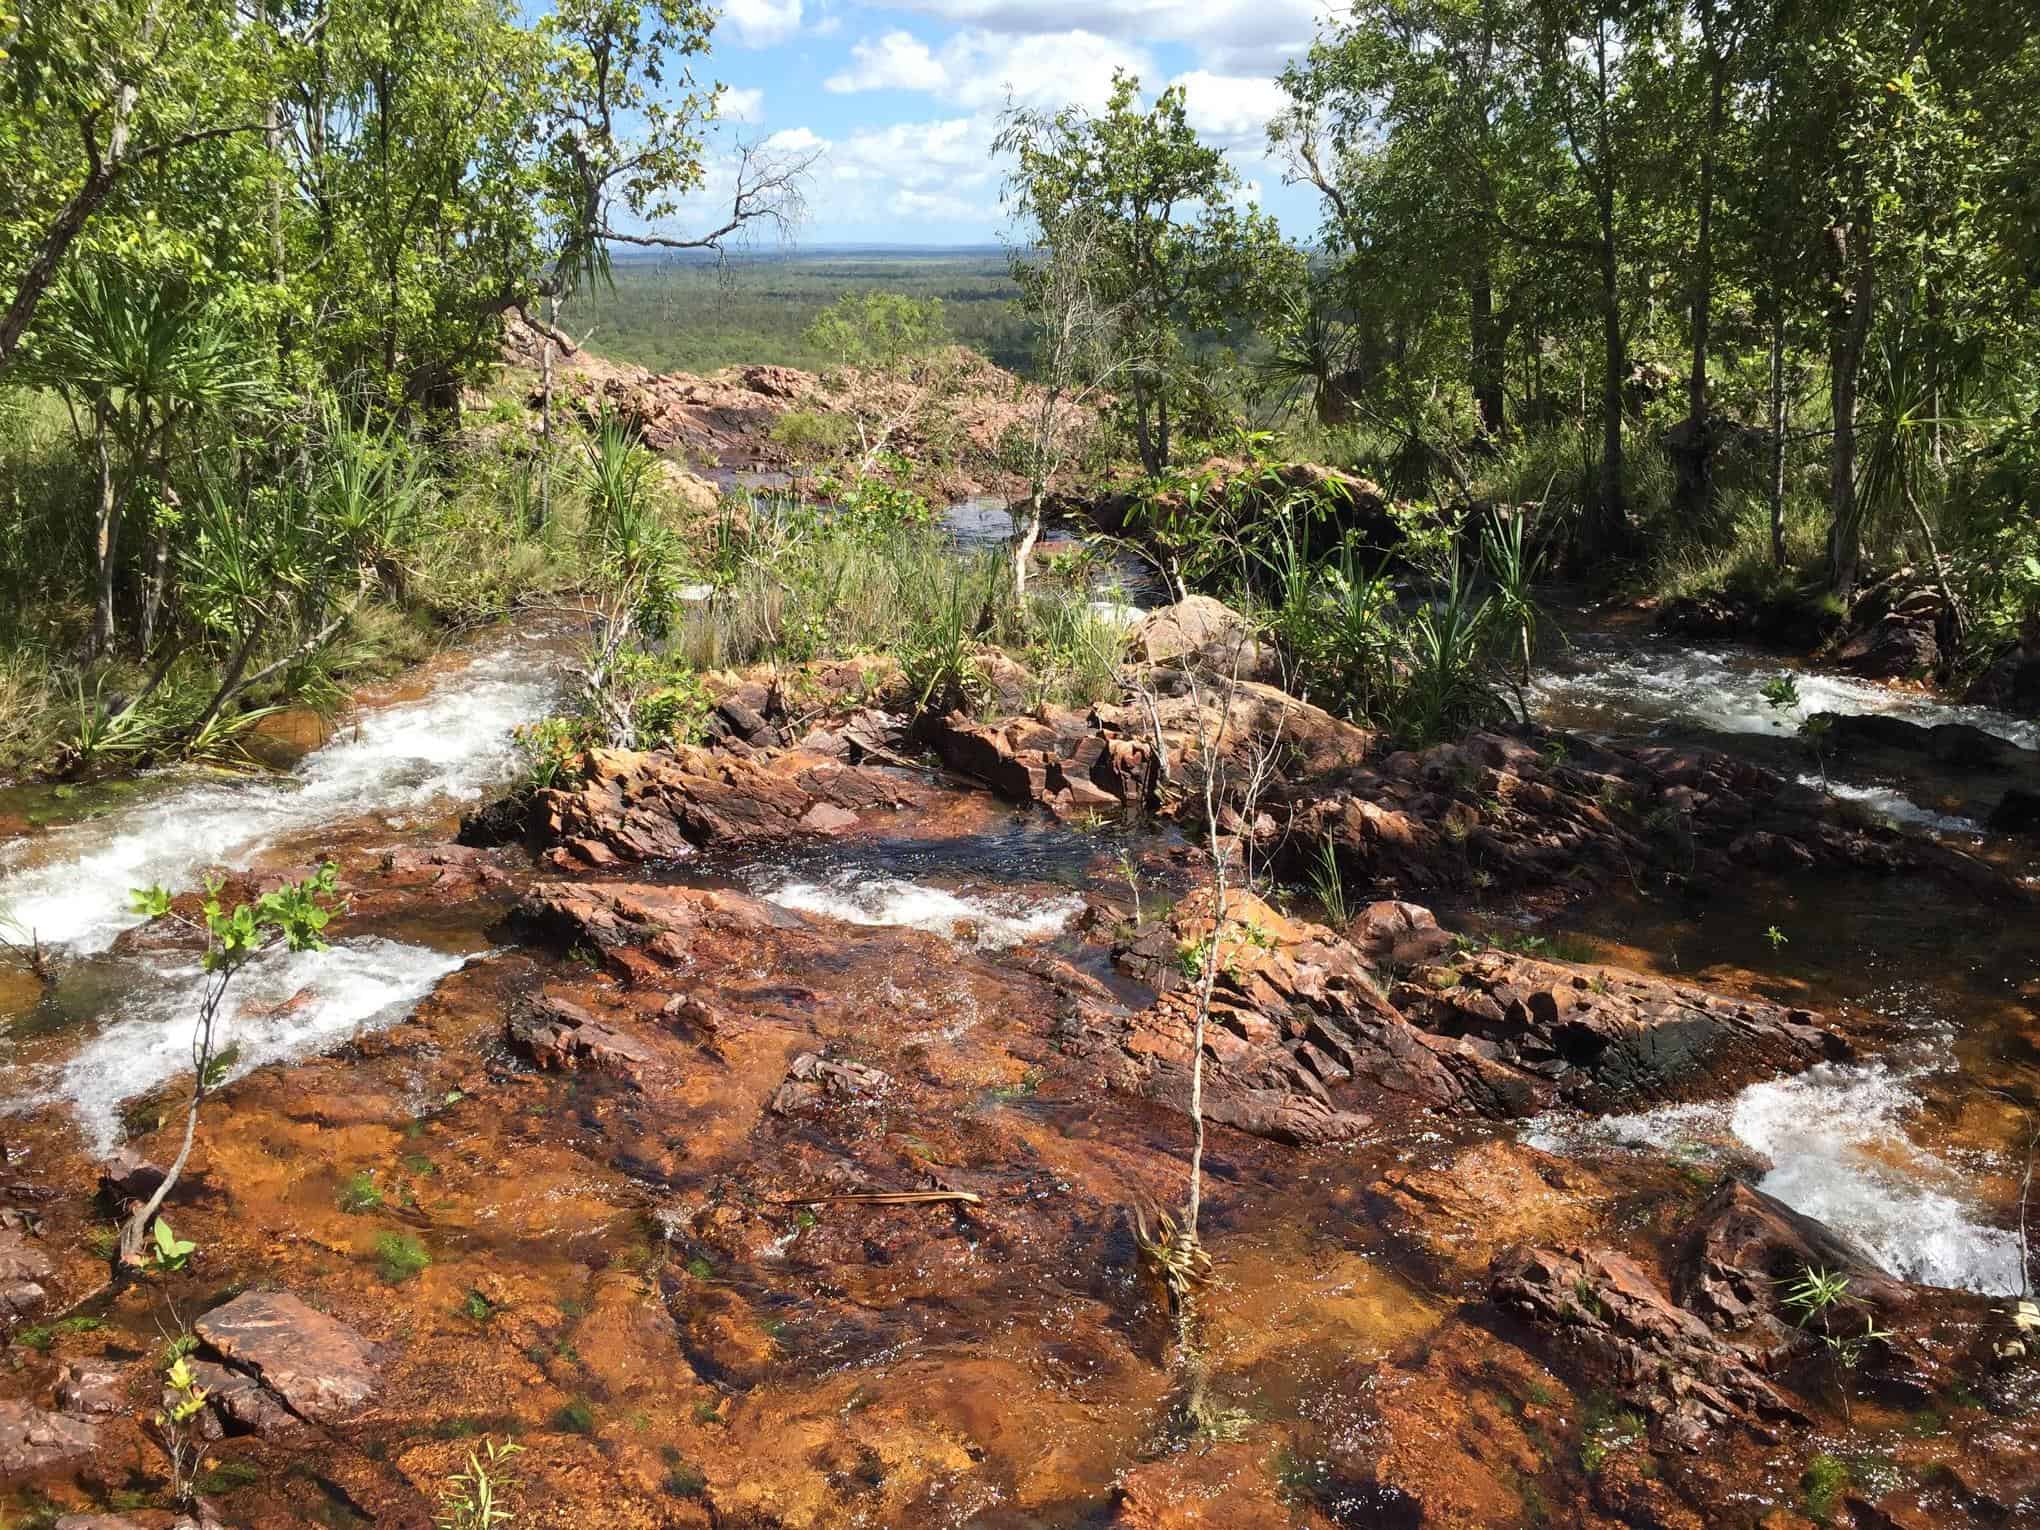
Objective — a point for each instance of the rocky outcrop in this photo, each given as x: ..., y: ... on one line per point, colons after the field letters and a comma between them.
x: 1740, y: 1253
x: 315, y: 1365
x: 1603, y: 1317
x: 1961, y: 746
x: 36, y: 1443
x: 618, y: 918
x: 633, y: 807
x: 1546, y: 810
x: 1304, y: 1043
x: 556, y: 1033
x: 1597, y: 1036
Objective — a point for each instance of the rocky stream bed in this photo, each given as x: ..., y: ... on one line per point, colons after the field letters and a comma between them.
x: 773, y: 1119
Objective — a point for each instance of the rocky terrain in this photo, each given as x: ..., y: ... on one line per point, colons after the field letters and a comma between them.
x: 736, y: 1206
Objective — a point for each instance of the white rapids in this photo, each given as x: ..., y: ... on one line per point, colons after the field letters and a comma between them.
x: 443, y: 749
x: 988, y: 921
x: 1723, y: 691
x: 283, y: 1005
x: 1836, y: 1141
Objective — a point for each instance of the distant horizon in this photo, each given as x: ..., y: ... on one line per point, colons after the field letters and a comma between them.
x: 632, y: 255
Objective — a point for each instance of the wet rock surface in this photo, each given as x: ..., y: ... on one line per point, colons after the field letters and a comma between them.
x: 732, y: 1214
x: 645, y: 807
x: 318, y: 1368
x: 1307, y: 1042
x: 1602, y: 1312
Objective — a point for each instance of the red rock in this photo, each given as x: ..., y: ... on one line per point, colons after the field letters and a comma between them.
x: 318, y: 1367
x: 1600, y: 1313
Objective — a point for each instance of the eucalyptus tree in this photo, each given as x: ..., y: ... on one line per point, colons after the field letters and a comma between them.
x: 1172, y: 252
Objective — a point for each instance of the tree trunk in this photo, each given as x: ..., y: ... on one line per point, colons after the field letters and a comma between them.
x: 1609, y: 532
x: 108, y: 539
x: 1487, y: 360
x: 1694, y: 458
x: 1029, y: 532
x: 1778, y: 436
x: 1852, y: 253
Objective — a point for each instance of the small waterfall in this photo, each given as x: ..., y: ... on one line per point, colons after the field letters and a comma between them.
x: 1836, y: 1141
x: 282, y: 1005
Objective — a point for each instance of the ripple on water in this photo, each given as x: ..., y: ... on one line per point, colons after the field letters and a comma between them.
x: 989, y: 921
x: 447, y: 747
x: 1839, y: 1152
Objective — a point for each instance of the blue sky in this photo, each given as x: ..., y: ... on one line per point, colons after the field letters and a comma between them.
x: 903, y: 98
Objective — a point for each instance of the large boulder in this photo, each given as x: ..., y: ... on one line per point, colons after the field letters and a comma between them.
x: 317, y: 1366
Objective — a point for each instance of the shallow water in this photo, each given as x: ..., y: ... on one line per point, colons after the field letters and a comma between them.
x: 1908, y: 1153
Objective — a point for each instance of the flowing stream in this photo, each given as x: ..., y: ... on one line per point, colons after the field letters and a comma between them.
x: 1896, y: 1153
x: 117, y: 1025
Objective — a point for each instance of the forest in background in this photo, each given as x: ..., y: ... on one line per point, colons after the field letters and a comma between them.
x: 757, y: 307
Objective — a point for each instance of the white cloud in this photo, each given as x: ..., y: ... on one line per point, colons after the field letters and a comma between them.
x: 1231, y: 109
x: 1236, y: 36
x: 798, y: 140
x: 741, y: 105
x: 984, y: 70
x: 761, y: 23
x: 896, y: 61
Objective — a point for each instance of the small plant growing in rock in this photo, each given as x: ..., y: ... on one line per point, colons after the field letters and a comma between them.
x: 576, y: 1417
x: 1777, y: 937
x: 296, y: 916
x: 360, y: 1194
x: 169, y: 1253
x: 183, y: 1400
x: 1328, y: 885
x: 1822, y: 1484
x: 472, y: 1499
x: 1817, y: 1300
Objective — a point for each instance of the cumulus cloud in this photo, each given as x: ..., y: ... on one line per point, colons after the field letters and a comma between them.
x: 896, y: 61
x: 984, y: 70
x: 1238, y: 36
x: 1232, y: 110
x: 759, y: 23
